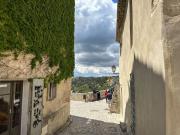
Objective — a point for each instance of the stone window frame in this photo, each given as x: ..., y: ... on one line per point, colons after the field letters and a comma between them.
x: 52, y: 91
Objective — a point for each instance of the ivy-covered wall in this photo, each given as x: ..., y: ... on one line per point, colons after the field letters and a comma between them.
x: 40, y: 27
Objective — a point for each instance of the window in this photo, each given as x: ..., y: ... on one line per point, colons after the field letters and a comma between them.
x: 52, y: 88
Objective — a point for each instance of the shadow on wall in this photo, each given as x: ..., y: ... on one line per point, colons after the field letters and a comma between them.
x: 85, y: 126
x: 145, y: 109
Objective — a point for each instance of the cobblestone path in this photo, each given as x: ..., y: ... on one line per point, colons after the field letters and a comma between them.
x: 92, y: 118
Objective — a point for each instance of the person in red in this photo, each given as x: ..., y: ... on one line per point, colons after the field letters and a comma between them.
x: 106, y: 95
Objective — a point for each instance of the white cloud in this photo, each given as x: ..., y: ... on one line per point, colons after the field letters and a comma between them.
x: 92, y: 70
x: 95, y: 45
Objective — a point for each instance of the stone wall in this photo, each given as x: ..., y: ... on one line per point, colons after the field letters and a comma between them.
x: 20, y: 67
x: 56, y: 112
x: 171, y: 34
x: 143, y: 98
x: 115, y: 105
x: 89, y: 95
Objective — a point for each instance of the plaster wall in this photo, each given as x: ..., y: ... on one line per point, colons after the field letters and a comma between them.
x: 57, y: 111
x: 171, y: 32
x: 142, y: 55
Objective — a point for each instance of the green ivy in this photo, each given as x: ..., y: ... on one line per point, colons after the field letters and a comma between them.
x: 40, y: 27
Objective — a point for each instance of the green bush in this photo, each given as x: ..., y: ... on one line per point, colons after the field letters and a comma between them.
x: 88, y: 84
x: 40, y: 27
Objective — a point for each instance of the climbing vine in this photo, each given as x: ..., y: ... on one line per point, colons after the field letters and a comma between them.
x: 40, y: 27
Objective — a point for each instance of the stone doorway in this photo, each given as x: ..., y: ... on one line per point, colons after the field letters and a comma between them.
x: 10, y: 111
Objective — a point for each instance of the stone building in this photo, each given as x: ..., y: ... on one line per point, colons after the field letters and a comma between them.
x: 26, y: 106
x: 36, y: 65
x: 149, y: 35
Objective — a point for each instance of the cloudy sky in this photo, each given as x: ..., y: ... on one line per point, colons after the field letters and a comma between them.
x: 95, y: 47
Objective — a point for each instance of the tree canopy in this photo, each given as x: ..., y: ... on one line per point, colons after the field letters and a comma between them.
x: 88, y: 84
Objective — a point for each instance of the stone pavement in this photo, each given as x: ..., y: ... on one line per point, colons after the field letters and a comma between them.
x: 92, y: 118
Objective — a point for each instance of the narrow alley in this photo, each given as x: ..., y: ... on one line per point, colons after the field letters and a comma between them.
x: 92, y: 118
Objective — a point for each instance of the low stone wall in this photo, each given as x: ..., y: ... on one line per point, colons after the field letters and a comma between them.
x: 89, y: 96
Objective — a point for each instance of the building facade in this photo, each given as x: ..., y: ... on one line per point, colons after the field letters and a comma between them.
x: 148, y: 32
x: 28, y: 105
x: 36, y: 65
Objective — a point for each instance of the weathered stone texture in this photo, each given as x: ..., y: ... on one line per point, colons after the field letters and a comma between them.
x: 121, y: 16
x: 171, y: 34
x: 20, y: 67
x: 115, y: 105
x: 57, y: 111
x: 153, y: 57
x: 142, y: 55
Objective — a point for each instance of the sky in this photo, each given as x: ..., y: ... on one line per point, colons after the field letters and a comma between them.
x: 95, y: 30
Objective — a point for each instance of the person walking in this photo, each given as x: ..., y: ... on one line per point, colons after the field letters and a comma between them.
x: 98, y: 96
x: 85, y: 97
x: 94, y: 95
x: 109, y: 97
x: 105, y: 94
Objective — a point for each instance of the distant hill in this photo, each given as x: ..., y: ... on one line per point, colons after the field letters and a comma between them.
x: 88, y: 84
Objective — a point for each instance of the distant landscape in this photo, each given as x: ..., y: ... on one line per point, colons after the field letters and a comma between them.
x: 88, y: 84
